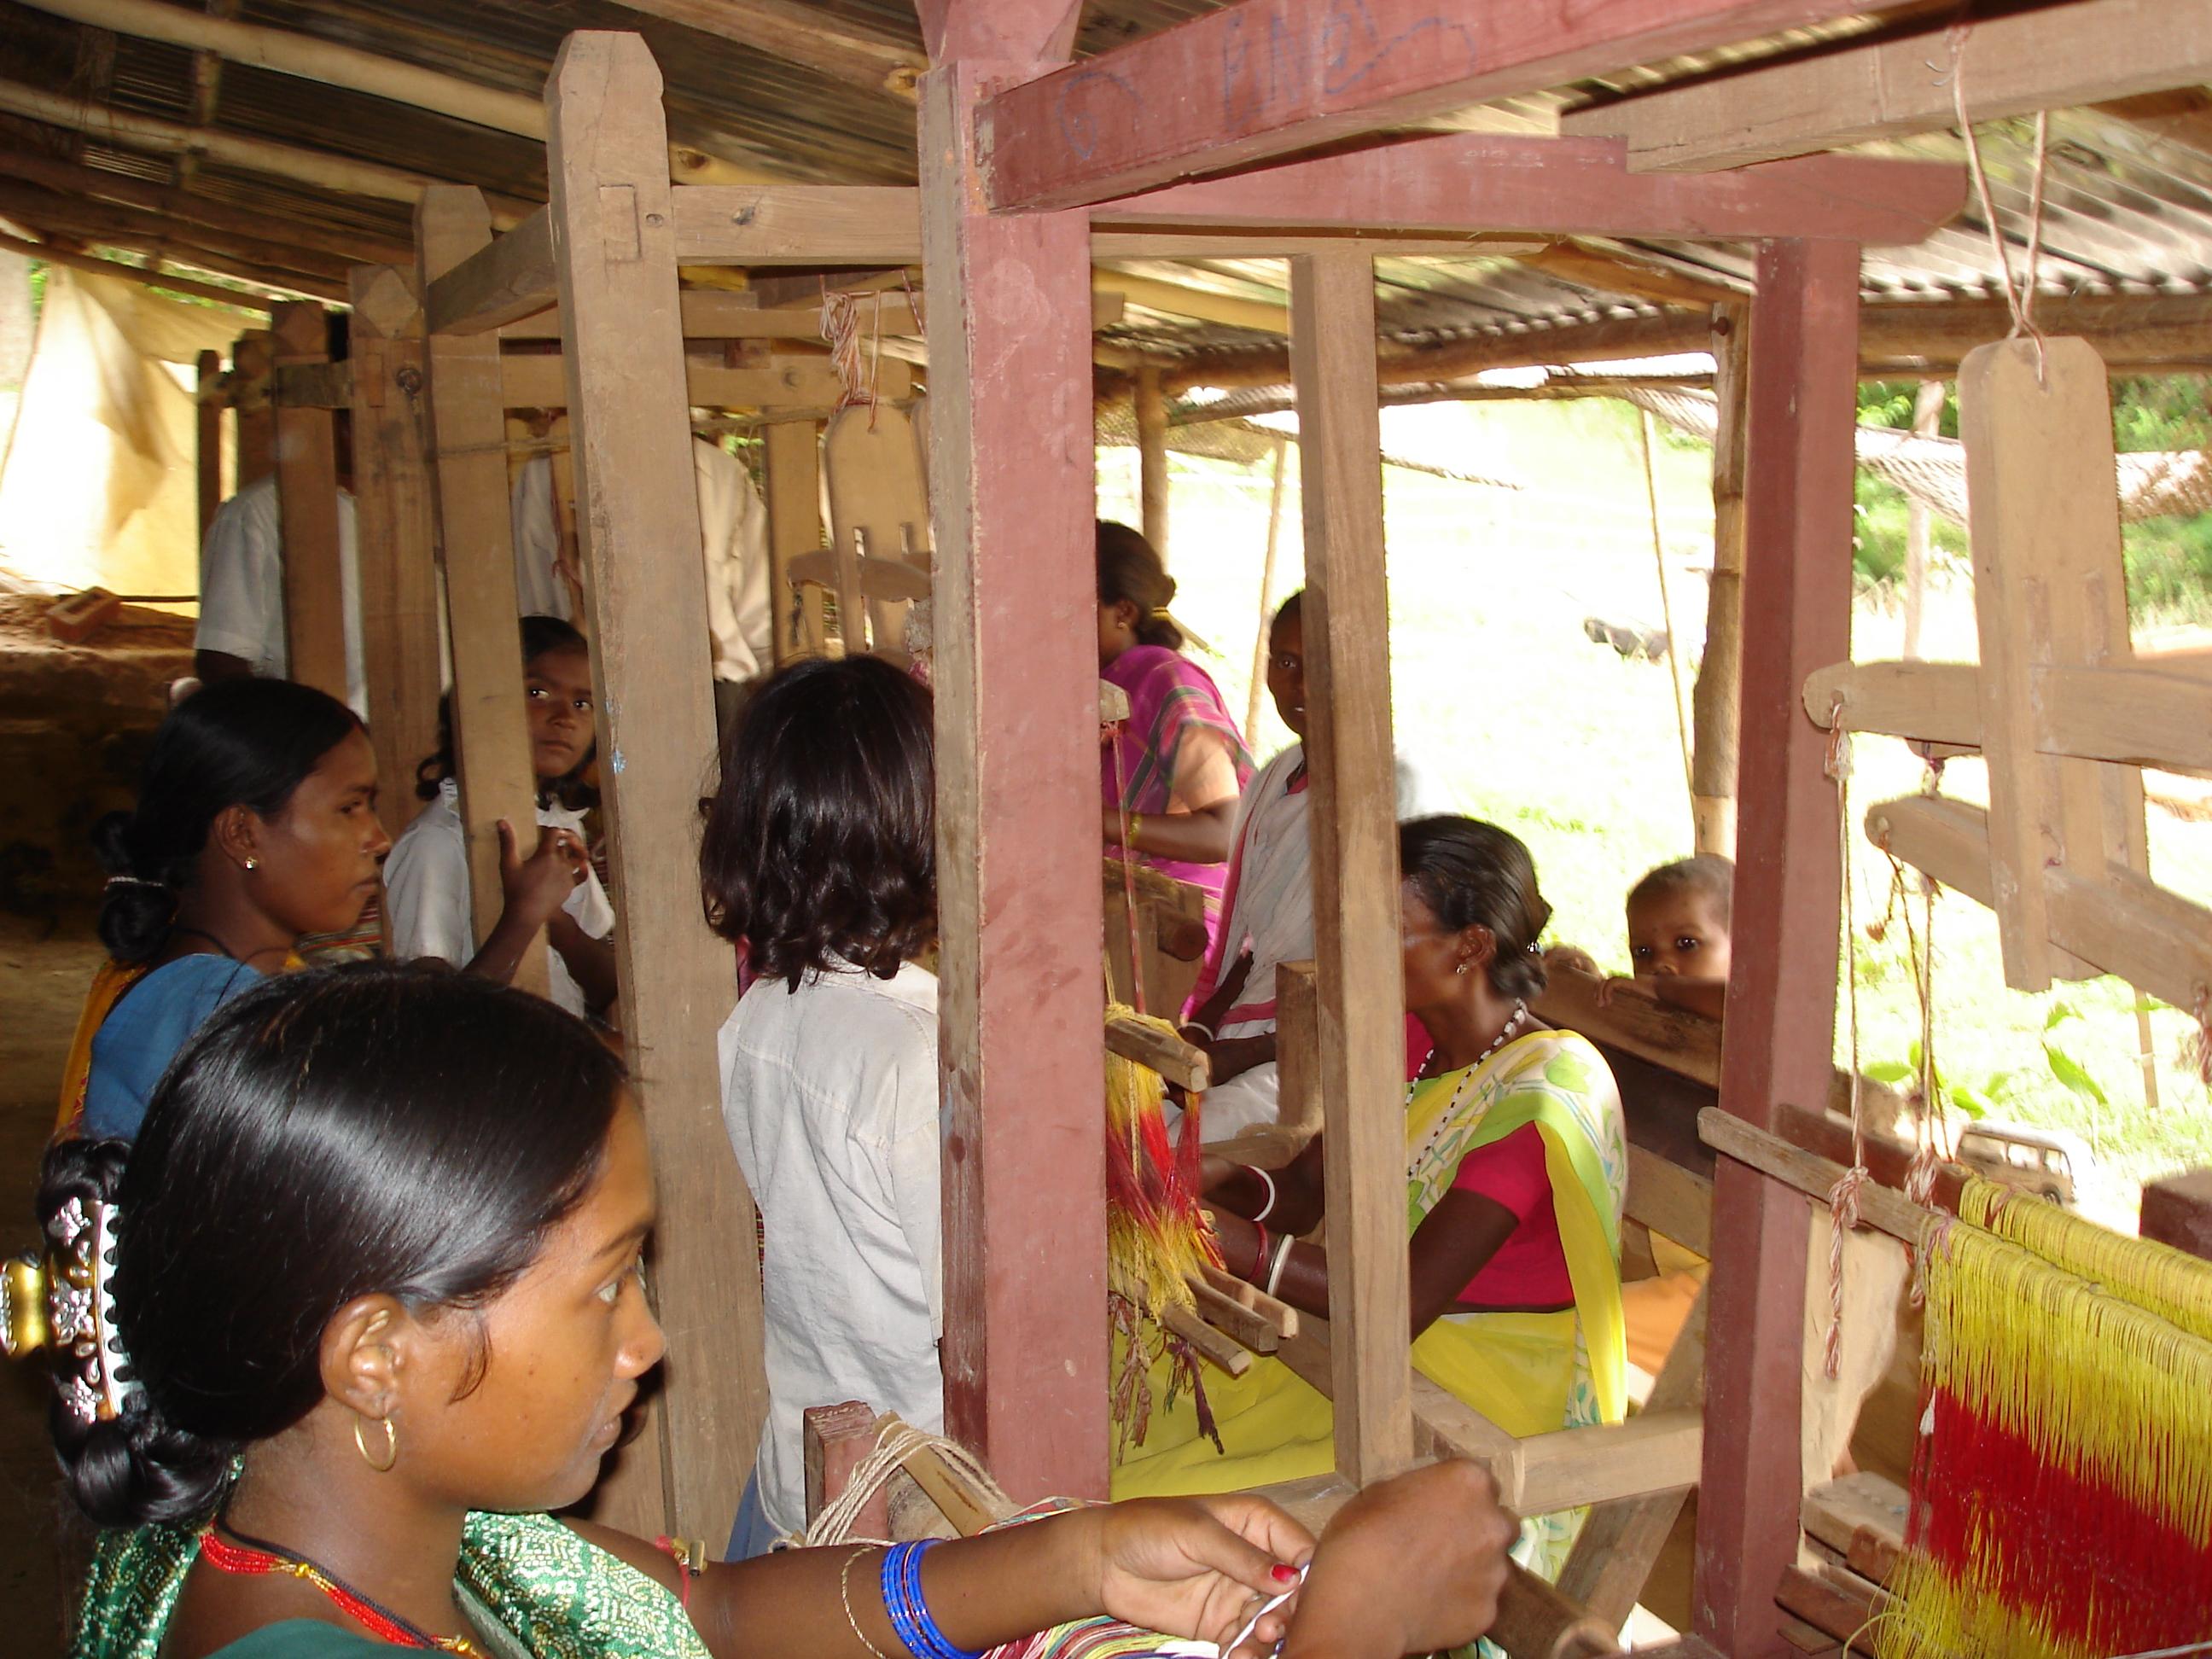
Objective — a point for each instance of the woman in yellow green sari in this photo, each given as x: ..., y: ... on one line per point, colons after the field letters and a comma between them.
x: 1516, y: 1164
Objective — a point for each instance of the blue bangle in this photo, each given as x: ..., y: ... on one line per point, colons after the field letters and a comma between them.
x: 908, y: 1610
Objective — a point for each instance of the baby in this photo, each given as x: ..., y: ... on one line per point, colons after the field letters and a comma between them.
x: 1678, y: 932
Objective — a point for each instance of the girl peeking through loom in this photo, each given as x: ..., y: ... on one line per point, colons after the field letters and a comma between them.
x: 819, y: 861
x: 1172, y: 771
x: 553, y: 890
x: 1268, y: 907
x: 255, y: 827
x: 364, y: 1305
x: 1516, y: 1165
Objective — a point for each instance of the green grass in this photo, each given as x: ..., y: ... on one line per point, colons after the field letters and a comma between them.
x: 1498, y: 695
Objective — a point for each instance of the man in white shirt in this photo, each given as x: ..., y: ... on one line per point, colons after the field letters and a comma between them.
x: 241, y: 628
x: 733, y: 541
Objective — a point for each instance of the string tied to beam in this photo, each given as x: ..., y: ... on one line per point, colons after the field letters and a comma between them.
x: 2020, y: 298
x: 840, y: 328
x: 1843, y: 1196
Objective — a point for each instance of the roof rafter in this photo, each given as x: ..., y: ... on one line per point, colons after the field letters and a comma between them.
x: 800, y: 35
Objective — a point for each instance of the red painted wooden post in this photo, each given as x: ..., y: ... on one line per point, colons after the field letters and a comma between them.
x: 1270, y: 77
x: 1562, y: 186
x: 1781, y: 992
x: 1022, y: 1008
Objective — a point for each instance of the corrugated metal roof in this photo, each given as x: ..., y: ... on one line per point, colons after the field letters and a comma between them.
x: 2128, y: 189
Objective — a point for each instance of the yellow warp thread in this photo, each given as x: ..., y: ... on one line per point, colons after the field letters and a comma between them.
x: 2097, y: 1387
x: 2153, y: 1276
x: 1155, y: 1247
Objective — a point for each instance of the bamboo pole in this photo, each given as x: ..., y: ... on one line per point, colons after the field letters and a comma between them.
x: 1152, y: 412
x: 54, y: 256
x: 1927, y: 415
x: 286, y: 53
x: 317, y: 167
x: 1667, y: 612
x: 800, y: 35
x: 1716, y: 697
x: 1267, y: 590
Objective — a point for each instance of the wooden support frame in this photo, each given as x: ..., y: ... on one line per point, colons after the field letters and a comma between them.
x: 624, y: 357
x: 315, y: 579
x: 396, y: 529
x: 1781, y: 992
x: 1355, y: 859
x: 1021, y: 1006
x: 1267, y: 78
x: 475, y: 544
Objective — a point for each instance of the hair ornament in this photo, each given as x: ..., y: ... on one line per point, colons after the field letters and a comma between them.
x: 137, y: 881
x: 65, y: 1301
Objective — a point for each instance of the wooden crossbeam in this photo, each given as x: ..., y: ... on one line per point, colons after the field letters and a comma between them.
x: 2119, y: 920
x: 281, y: 263
x: 2148, y: 715
x: 2053, y: 58
x: 1571, y: 187
x: 535, y: 381
x: 243, y: 299
x: 1268, y: 78
x: 801, y: 34
x: 510, y: 277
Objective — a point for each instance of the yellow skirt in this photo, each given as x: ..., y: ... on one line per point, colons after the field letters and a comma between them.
x: 1516, y: 1369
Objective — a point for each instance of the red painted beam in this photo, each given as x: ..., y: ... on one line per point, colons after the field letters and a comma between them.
x: 1269, y: 77
x: 1571, y: 187
x: 1021, y: 1005
x: 1802, y: 387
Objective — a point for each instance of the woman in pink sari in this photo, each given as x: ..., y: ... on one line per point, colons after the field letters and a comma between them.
x: 1172, y: 772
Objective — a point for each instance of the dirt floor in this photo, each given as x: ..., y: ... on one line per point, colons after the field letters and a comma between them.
x: 42, y: 980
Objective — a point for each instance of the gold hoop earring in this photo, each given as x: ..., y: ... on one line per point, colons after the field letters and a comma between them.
x: 391, y: 1445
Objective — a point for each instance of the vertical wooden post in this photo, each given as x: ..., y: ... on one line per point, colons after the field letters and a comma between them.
x: 1021, y: 1011
x: 307, y: 509
x: 208, y: 430
x: 1152, y: 456
x: 1802, y: 387
x: 396, y: 543
x: 794, y: 520
x: 1267, y: 593
x: 615, y: 240
x: 1355, y: 859
x: 476, y: 550
x: 1927, y: 420
x: 1713, y: 701
x: 251, y: 358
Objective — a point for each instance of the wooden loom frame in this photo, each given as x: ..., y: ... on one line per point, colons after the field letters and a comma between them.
x: 1012, y: 477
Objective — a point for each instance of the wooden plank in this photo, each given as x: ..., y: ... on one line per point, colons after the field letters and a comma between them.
x: 509, y: 277
x: 2131, y: 716
x: 1933, y: 702
x: 475, y: 551
x: 1020, y: 998
x: 639, y: 519
x: 1655, y: 1450
x: 1215, y: 1347
x: 207, y: 452
x: 1782, y: 990
x: 1281, y: 1317
x: 537, y: 381
x: 1671, y: 1200
x: 1715, y: 717
x: 1613, y: 1553
x: 1229, y: 1316
x: 1267, y: 78
x: 2036, y: 419
x: 1361, y: 1062
x: 2178, y: 1210
x: 1862, y: 1517
x: 396, y: 547
x: 794, y: 468
x: 1880, y: 1207
x: 307, y: 507
x: 1565, y: 186
x: 2055, y: 59
x: 253, y: 358
x: 312, y: 386
x: 1682, y: 1041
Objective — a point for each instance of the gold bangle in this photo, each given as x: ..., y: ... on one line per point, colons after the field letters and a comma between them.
x: 845, y: 1595
x: 1136, y: 829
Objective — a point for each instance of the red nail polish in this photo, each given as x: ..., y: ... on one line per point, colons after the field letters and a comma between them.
x: 1284, y: 1575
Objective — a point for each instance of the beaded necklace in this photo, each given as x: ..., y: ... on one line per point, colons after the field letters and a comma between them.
x: 1445, y: 1118
x: 251, y: 1556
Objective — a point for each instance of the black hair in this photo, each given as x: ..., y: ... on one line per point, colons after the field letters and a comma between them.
x: 821, y: 840
x: 1291, y: 610
x: 539, y: 635
x: 237, y: 743
x: 1469, y: 872
x: 1709, y: 876
x: 377, y: 1127
x: 1129, y: 568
